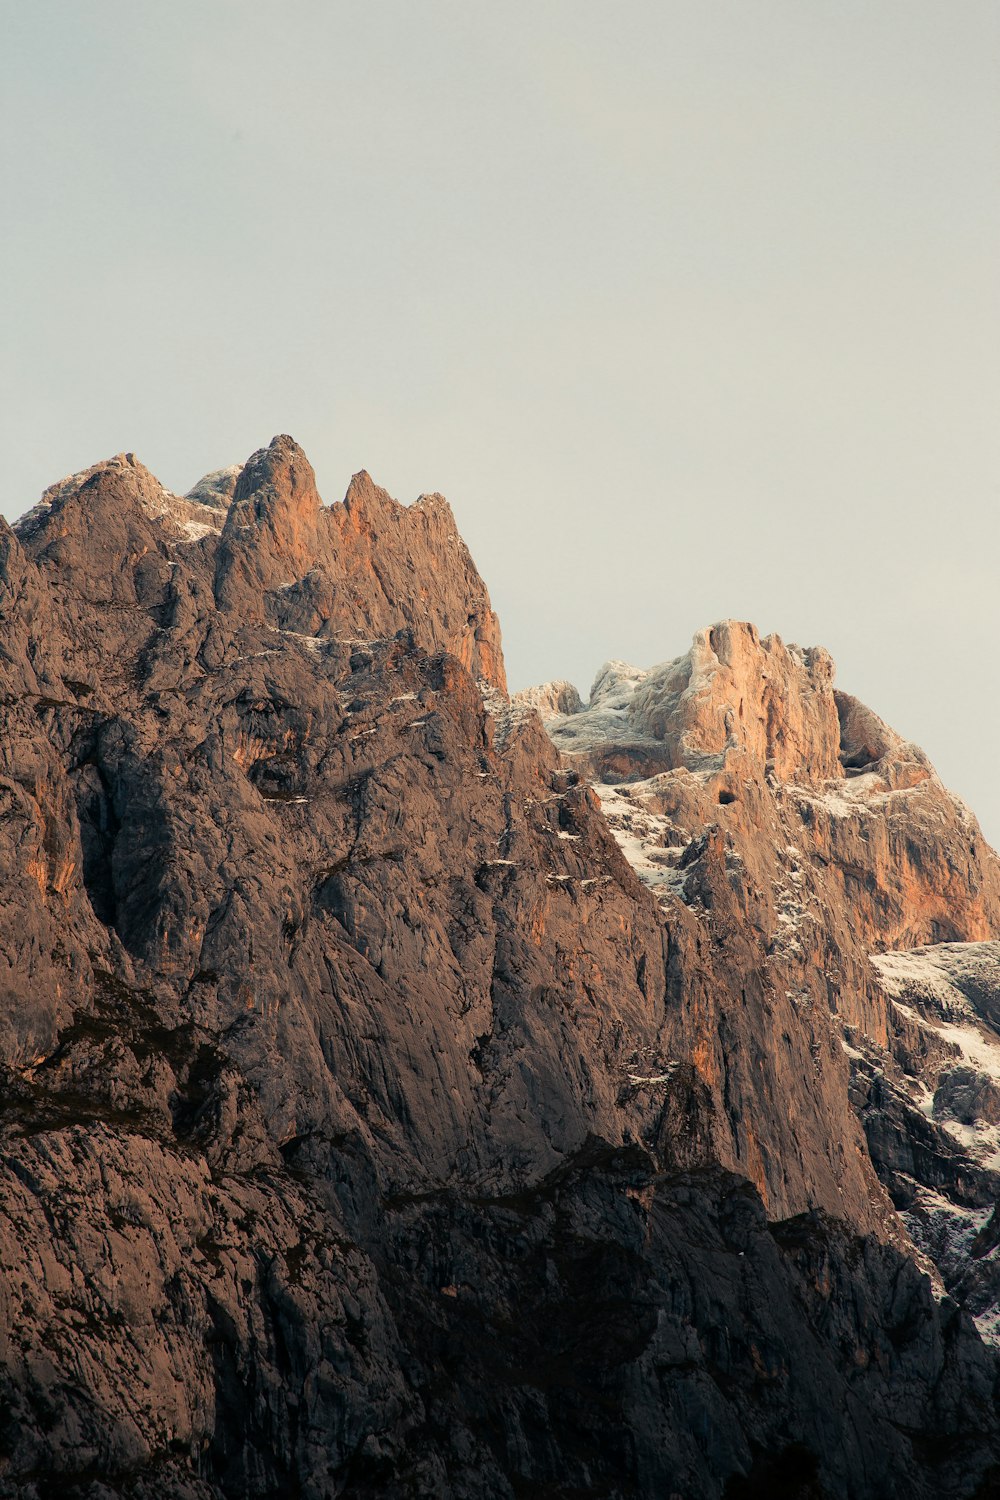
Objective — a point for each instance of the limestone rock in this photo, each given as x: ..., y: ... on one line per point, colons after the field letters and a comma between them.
x: 388, y: 1110
x: 551, y: 699
x: 813, y: 827
x: 736, y: 695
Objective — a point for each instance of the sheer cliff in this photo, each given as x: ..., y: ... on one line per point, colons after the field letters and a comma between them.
x: 873, y: 901
x: 408, y: 1090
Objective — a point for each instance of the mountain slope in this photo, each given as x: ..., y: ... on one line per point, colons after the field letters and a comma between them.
x: 745, y: 789
x: 389, y: 1112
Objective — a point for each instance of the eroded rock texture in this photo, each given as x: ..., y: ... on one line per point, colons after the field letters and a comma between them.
x: 400, y: 1101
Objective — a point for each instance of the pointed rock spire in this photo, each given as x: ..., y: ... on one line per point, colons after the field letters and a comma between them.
x: 271, y: 535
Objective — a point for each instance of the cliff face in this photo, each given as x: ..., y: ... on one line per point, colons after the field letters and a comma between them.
x: 785, y: 816
x: 388, y: 1110
x: 258, y: 547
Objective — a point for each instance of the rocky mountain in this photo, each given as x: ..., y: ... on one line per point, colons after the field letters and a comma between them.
x: 871, y: 896
x: 410, y: 1090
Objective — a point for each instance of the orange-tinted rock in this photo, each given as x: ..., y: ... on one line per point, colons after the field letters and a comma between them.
x: 735, y: 693
x: 370, y: 1081
x: 787, y: 833
x: 364, y: 568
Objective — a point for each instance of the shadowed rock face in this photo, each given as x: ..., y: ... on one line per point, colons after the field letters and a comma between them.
x: 388, y: 1111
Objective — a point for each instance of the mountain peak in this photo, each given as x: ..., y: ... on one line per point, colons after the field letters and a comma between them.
x: 271, y: 534
x: 734, y: 694
x: 111, y: 532
x: 336, y: 997
x: 123, y: 474
x: 282, y: 465
x: 738, y: 693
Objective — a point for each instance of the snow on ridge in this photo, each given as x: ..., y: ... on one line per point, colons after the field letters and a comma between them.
x: 311, y: 642
x: 506, y: 713
x: 944, y: 989
x: 641, y: 836
x: 605, y: 719
x: 555, y: 699
x: 215, y: 489
x: 945, y: 975
x: 844, y: 798
x: 915, y: 974
x: 978, y: 1048
x: 195, y: 530
x: 178, y: 510
x: 945, y: 981
x: 615, y: 684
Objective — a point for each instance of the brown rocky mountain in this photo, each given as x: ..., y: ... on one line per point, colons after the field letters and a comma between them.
x: 414, y: 1091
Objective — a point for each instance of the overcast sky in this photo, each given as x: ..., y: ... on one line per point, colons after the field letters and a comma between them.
x: 691, y: 309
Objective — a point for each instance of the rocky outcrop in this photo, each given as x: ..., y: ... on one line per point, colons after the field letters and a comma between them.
x: 387, y: 1110
x: 260, y: 547
x: 929, y: 1105
x: 735, y: 695
x: 367, y: 567
x: 745, y: 789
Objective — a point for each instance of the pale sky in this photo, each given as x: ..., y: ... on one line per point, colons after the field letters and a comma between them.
x: 691, y: 309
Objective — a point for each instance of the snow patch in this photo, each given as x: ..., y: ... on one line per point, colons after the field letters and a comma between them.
x: 931, y: 979
x: 944, y: 977
x: 847, y: 798
x: 311, y: 642
x: 507, y: 713
x: 215, y: 490
x: 642, y: 836
x: 195, y: 530
x: 606, y: 718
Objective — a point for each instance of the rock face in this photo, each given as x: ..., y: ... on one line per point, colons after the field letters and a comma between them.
x: 388, y: 1110
x: 367, y: 567
x: 749, y: 792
